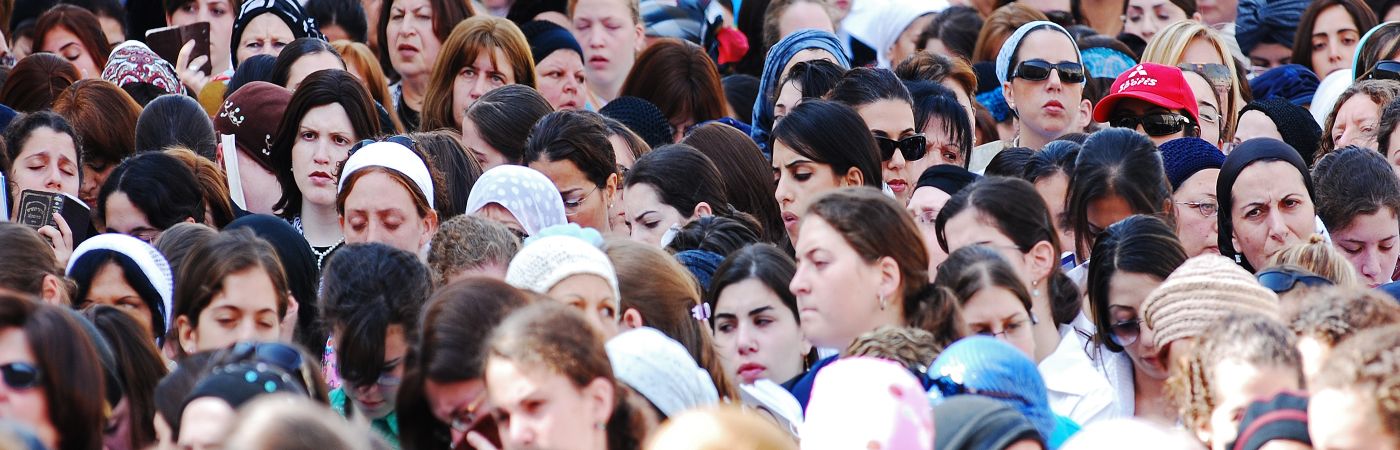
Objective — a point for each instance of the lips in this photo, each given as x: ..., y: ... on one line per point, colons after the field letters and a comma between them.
x: 898, y: 186
x: 1053, y: 106
x: 751, y: 372
x: 789, y: 220
x: 597, y: 62
x: 319, y: 178
x: 406, y: 50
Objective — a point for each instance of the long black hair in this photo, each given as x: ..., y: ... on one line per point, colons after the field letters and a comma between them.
x: 831, y: 133
x: 580, y: 137
x: 366, y: 288
x: 162, y: 187
x: 683, y: 177
x: 321, y: 88
x: 294, y: 51
x: 933, y: 101
x: 1116, y: 162
x: 1138, y: 244
x: 762, y: 262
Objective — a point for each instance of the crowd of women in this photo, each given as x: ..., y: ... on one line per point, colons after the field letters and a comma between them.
x: 699, y: 224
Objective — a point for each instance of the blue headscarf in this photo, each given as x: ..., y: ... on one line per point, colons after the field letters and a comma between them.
x: 1104, y: 62
x: 992, y: 366
x: 1266, y: 21
x: 1291, y: 82
x: 778, y: 57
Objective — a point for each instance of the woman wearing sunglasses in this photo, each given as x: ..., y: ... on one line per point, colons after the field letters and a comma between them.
x: 572, y: 149
x: 819, y: 146
x: 1131, y: 258
x: 52, y: 379
x: 1358, y: 199
x: 1195, y: 47
x: 1044, y: 87
x: 387, y: 194
x: 884, y: 104
x: 1266, y: 202
x: 1153, y: 99
x: 993, y: 300
x: 370, y: 300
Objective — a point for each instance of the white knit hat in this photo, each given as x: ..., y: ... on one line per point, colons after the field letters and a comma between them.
x: 548, y: 260
x: 662, y: 370
x: 153, y: 265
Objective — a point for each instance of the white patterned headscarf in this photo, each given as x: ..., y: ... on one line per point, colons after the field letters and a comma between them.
x: 525, y: 192
x: 154, y: 268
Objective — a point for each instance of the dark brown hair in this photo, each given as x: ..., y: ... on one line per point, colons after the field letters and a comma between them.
x: 321, y: 88
x: 1351, y: 182
x: 1360, y: 14
x: 469, y: 39
x: 680, y: 79
x: 580, y: 137
x: 459, y: 170
x: 971, y: 269
x: 205, y: 269
x: 25, y: 259
x: 36, y: 80
x: 82, y: 24
x: 139, y: 364
x: 927, y: 66
x: 73, y: 381
x: 747, y: 175
x: 999, y: 26
x: 213, y: 185
x: 105, y: 118
x: 504, y: 117
x: 875, y: 226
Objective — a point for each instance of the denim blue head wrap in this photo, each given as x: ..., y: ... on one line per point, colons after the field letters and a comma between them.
x: 702, y: 264
x: 1291, y: 82
x: 990, y: 365
x: 1013, y: 43
x: 995, y: 102
x: 778, y: 57
x: 1267, y: 21
x: 1104, y: 62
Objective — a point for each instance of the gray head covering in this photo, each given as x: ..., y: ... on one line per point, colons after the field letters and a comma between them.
x: 525, y: 192
x: 1008, y: 48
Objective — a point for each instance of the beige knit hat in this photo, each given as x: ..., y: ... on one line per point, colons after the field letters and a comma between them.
x: 1202, y: 291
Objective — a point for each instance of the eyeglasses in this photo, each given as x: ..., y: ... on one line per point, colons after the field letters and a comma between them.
x: 1014, y: 327
x: 472, y: 416
x: 1219, y: 76
x: 913, y: 147
x: 20, y: 375
x: 1158, y: 124
x: 1283, y: 280
x: 283, y: 357
x: 1039, y: 69
x: 1126, y: 332
x: 1384, y: 70
x: 571, y: 206
x: 1206, y: 209
x: 949, y: 388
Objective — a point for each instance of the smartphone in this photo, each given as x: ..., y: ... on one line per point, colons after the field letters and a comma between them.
x: 36, y: 210
x: 167, y: 42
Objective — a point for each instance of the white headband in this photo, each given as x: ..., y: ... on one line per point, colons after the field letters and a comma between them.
x: 153, y: 265
x: 392, y: 156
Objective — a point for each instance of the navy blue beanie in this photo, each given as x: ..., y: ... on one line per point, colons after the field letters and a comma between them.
x: 1294, y: 123
x: 546, y: 37
x: 642, y: 117
x: 1290, y: 82
x: 1267, y: 22
x: 1183, y: 157
x: 702, y: 264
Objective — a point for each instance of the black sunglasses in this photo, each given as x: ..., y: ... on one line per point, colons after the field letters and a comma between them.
x: 1039, y: 69
x: 913, y: 147
x: 1283, y: 280
x: 1158, y: 124
x: 1385, y: 70
x: 20, y: 375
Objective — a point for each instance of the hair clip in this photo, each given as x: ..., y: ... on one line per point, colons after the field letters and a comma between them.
x: 700, y: 312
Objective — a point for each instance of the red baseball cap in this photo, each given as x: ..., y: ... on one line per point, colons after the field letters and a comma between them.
x: 1157, y: 84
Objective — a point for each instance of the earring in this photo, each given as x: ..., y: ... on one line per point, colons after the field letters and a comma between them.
x: 599, y: 426
x: 882, y: 302
x: 1035, y: 290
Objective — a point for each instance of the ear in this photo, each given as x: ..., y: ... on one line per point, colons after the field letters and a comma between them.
x: 1041, y: 260
x: 187, y: 334
x: 600, y: 395
x: 890, y: 277
x: 430, y: 226
x: 853, y: 178
x: 1197, y: 17
x: 53, y: 292
x: 702, y: 209
x: 289, y: 320
x: 219, y: 154
x: 1086, y: 113
x: 641, y: 32
x: 632, y: 319
x: 610, y: 189
x: 1006, y: 92
x: 191, y: 220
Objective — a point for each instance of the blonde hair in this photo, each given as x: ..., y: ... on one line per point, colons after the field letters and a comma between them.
x: 1169, y: 45
x: 720, y: 428
x: 361, y: 59
x: 1319, y: 257
x: 284, y: 421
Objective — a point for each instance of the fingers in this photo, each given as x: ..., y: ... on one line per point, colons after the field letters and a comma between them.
x: 183, y: 59
x: 479, y: 441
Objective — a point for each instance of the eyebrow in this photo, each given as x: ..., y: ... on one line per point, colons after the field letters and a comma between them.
x: 760, y: 310
x: 643, y: 214
x: 798, y: 162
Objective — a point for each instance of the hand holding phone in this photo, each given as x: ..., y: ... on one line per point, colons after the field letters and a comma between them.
x: 188, y: 48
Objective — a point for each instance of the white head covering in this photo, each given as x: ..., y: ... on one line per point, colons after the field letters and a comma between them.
x: 1327, y: 94
x: 546, y: 261
x: 153, y: 265
x: 1008, y: 48
x: 393, y: 156
x: 662, y: 370
x: 881, y: 25
x: 525, y: 192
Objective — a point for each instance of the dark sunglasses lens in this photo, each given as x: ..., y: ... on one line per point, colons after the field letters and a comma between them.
x: 1277, y: 281
x: 1033, y: 70
x: 1162, y: 124
x: 913, y: 147
x: 1126, y: 333
x: 887, y: 148
x: 1123, y: 122
x: 284, y: 357
x: 20, y: 375
x: 1071, y: 72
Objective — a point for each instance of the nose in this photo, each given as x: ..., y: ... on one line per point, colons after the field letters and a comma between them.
x: 783, y: 193
x: 246, y: 331
x: 595, y: 38
x: 1278, y: 229
x: 1147, y: 339
x: 521, y: 434
x: 1369, y: 266
x: 54, y: 181
x: 799, y: 284
x: 1334, y: 50
x: 896, y: 162
x: 744, y: 341
x: 479, y: 88
x: 375, y: 233
x: 321, y: 153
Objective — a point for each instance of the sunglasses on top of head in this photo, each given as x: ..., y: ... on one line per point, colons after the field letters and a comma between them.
x: 1039, y: 69
x: 1155, y: 124
x: 1385, y: 70
x: 913, y: 147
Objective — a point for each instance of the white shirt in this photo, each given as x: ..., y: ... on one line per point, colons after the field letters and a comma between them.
x: 1085, y: 389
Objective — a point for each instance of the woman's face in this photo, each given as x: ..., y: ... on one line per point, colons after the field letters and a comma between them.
x: 488, y: 72
x: 894, y: 120
x: 122, y: 216
x: 924, y: 205
x: 461, y: 401
x: 377, y: 400
x: 971, y: 227
x: 1212, y: 123
x: 908, y: 42
x: 1271, y: 210
x: 540, y: 408
x: 799, y: 180
x: 109, y: 287
x: 62, y: 42
x: 804, y: 14
x: 1126, y: 292
x: 220, y: 14
x: 1137, y: 108
x: 562, y: 80
x: 1050, y: 107
x: 413, y: 46
x: 499, y: 214
x: 27, y: 406
x: 591, y: 295
x: 585, y: 203
x: 48, y: 161
x: 205, y: 423
x: 1369, y: 242
x: 1105, y: 211
x: 1255, y: 124
x: 1356, y: 122
x: 789, y: 95
x: 92, y: 179
x: 610, y: 40
x: 942, y: 149
x: 995, y: 311
x: 486, y: 155
x: 1196, y: 205
x: 1346, y: 418
x: 757, y: 335
x: 248, y: 313
x: 648, y: 217
x: 1266, y: 56
x: 322, y: 144
x: 266, y: 34
x: 1146, y: 17
x: 1054, y: 189
x: 1334, y: 39
x: 1236, y: 385
x: 838, y: 292
x: 380, y: 209
x: 309, y: 64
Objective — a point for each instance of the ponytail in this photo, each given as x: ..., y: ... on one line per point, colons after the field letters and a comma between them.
x: 1064, y: 297
x: 935, y: 309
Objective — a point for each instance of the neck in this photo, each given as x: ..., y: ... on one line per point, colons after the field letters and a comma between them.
x: 605, y: 91
x: 320, y: 224
x: 1148, y: 399
x: 1047, y: 334
x: 413, y: 88
x: 1104, y: 16
x: 1030, y: 139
